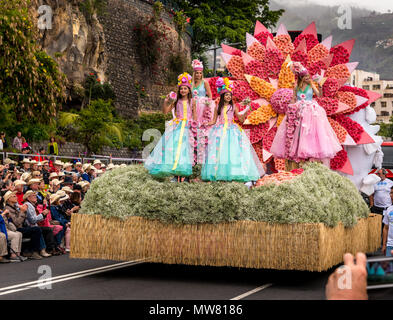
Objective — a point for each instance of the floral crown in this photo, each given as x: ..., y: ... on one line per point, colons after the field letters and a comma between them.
x: 184, y: 80
x: 197, y: 65
x: 224, y: 85
x: 299, y: 69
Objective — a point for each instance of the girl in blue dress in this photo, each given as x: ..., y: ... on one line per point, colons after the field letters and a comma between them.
x: 174, y: 153
x: 230, y: 155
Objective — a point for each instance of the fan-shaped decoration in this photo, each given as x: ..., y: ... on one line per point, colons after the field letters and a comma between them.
x: 264, y: 75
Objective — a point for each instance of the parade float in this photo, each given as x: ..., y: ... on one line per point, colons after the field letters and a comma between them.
x: 303, y: 219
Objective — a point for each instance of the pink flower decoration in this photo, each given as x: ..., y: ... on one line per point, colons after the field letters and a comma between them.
x: 281, y: 99
x: 173, y: 95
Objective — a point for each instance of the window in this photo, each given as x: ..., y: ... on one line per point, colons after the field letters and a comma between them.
x: 384, y: 113
x: 383, y: 104
x: 388, y: 95
x: 376, y: 86
x: 366, y: 87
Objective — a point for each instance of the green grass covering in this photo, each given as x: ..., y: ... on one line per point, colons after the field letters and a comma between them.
x: 318, y: 195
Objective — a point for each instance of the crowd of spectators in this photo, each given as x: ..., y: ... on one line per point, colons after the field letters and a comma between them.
x: 37, y: 199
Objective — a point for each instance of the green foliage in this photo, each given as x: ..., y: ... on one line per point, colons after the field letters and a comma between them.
x: 90, y: 7
x: 158, y: 8
x: 30, y: 80
x: 135, y: 128
x: 319, y: 195
x: 386, y: 129
x: 95, y: 90
x: 95, y: 125
x: 225, y: 20
x: 180, y: 20
x: 178, y: 63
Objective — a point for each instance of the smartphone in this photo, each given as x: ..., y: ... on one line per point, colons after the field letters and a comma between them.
x: 379, y: 273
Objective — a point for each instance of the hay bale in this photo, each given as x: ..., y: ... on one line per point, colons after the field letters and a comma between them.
x: 246, y: 244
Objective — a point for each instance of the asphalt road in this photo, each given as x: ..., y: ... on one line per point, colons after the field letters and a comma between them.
x: 75, y: 279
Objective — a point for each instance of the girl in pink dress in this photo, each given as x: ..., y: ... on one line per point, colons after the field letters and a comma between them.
x: 305, y: 133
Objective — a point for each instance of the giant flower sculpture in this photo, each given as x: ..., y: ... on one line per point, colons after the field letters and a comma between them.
x: 264, y: 75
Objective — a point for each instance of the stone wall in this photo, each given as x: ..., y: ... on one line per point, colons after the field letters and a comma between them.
x: 124, y: 66
x: 106, y: 44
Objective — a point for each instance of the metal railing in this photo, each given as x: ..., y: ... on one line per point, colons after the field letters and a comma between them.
x: 105, y: 159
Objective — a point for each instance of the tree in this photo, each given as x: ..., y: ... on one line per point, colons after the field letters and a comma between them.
x: 225, y: 20
x: 95, y: 125
x: 30, y: 80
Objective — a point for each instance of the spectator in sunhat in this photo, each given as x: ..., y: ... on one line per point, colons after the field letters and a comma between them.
x: 88, y: 174
x: 19, y: 184
x: 58, y: 166
x: 45, y: 171
x: 55, y: 185
x: 33, y: 165
x: 97, y: 164
x: 52, y: 176
x: 14, y: 236
x: 78, y: 169
x: 67, y: 167
x: 25, y: 165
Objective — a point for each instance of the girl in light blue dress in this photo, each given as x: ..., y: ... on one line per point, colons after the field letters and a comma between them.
x: 174, y: 153
x: 230, y: 155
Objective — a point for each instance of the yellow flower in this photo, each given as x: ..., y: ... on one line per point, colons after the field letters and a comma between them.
x: 226, y: 81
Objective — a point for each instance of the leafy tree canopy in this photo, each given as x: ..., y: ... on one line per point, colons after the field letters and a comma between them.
x: 226, y: 20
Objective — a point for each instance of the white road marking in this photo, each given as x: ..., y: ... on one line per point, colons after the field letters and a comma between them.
x: 248, y: 293
x: 66, y: 277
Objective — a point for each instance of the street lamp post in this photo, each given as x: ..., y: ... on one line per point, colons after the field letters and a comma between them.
x: 215, y: 48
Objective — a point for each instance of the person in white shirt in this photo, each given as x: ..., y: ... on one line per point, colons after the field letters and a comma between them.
x: 387, y: 234
x: 380, y: 200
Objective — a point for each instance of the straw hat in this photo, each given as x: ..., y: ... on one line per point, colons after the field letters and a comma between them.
x: 26, y: 176
x: 58, y: 163
x: 66, y: 197
x: 61, y: 174
x: 33, y: 181
x: 54, y: 197
x: 110, y: 166
x: 19, y: 182
x: 78, y: 163
x: 62, y: 193
x: 36, y: 173
x: 97, y: 162
x: 56, y: 182
x: 8, y: 195
x: 53, y: 175
x: 40, y: 164
x: 67, y: 165
x: 33, y: 162
x: 67, y: 189
x: 26, y: 160
x: 45, y: 162
x: 28, y: 194
x: 123, y: 165
x: 9, y: 161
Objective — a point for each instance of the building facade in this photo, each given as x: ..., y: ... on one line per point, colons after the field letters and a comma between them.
x: 371, y: 81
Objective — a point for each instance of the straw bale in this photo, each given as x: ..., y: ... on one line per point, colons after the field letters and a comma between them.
x: 246, y: 244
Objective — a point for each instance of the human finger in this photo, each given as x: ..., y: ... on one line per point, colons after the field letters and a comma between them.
x: 361, y: 259
x: 348, y: 259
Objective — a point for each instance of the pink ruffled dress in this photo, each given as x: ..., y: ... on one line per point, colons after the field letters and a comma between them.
x: 305, y: 133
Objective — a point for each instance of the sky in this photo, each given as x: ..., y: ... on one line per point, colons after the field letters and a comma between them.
x: 378, y: 5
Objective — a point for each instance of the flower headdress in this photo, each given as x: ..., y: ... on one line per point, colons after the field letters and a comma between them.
x: 224, y: 85
x: 184, y: 79
x: 197, y: 65
x: 299, y: 69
